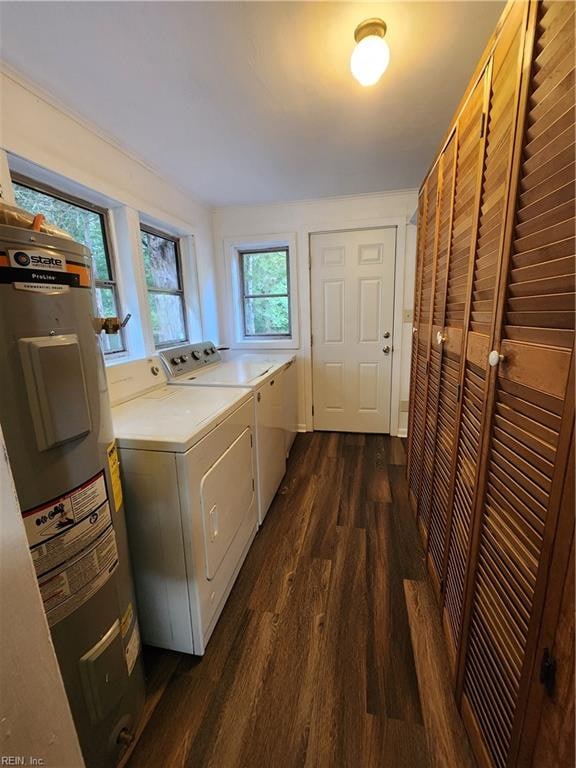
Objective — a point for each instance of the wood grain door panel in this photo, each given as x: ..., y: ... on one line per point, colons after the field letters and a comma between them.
x: 532, y: 407
x: 501, y: 110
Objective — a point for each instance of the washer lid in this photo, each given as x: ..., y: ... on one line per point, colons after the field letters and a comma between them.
x: 173, y: 418
x: 234, y: 373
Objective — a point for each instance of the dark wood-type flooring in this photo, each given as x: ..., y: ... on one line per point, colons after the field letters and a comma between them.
x: 329, y: 651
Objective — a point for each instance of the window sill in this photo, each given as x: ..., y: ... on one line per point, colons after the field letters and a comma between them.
x: 279, y: 343
x: 117, y: 358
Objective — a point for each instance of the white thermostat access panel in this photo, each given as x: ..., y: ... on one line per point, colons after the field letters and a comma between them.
x: 56, y: 388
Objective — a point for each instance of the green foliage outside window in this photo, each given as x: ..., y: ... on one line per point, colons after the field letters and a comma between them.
x: 265, y: 292
x: 165, y: 295
x: 86, y: 227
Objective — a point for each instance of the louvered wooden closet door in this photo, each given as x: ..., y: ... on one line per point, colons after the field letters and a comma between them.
x: 423, y: 336
x: 499, y: 126
x: 450, y: 323
x: 414, y: 353
x: 439, y: 285
x: 466, y: 197
x: 537, y: 337
x: 462, y: 154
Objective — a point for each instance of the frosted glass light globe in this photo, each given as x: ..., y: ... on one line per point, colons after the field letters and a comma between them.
x: 370, y: 59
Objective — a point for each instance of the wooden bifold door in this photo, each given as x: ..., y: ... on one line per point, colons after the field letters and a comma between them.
x: 492, y: 391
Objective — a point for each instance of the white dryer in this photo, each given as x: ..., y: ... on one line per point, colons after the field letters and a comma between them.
x: 200, y: 366
x: 187, y: 458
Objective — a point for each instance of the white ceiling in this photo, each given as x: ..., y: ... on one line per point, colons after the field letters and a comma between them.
x: 251, y: 102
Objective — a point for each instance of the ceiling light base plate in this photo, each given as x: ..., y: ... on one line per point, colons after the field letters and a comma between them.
x: 370, y: 27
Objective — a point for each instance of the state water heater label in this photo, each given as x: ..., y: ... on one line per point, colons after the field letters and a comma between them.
x: 38, y: 270
x: 57, y: 518
x: 67, y: 544
x: 73, y: 546
x: 41, y: 287
x: 66, y: 588
x: 37, y: 259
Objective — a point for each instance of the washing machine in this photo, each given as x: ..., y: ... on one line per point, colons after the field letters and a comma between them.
x: 188, y: 468
x: 201, y: 365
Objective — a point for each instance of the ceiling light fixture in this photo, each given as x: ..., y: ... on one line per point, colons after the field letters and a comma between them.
x: 371, y: 56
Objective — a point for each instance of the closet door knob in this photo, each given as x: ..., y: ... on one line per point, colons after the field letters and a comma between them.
x: 386, y: 350
x: 495, y: 357
x: 440, y: 338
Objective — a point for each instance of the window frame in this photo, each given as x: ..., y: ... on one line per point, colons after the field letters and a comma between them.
x: 248, y: 251
x: 232, y: 305
x: 150, y: 230
x: 78, y: 202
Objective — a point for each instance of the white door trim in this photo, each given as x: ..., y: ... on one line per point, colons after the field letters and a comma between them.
x: 305, y: 232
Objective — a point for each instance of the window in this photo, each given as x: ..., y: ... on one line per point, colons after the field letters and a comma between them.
x: 262, y: 291
x: 164, y: 282
x: 265, y: 292
x: 87, y: 225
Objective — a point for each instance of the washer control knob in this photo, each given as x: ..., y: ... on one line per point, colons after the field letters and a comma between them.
x: 207, y: 351
x: 212, y: 350
x: 196, y: 355
x: 183, y: 358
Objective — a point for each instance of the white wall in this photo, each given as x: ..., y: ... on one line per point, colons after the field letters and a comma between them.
x: 302, y: 219
x: 36, y: 130
x: 35, y: 716
x: 40, y: 134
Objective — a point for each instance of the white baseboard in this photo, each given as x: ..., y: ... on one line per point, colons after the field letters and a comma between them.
x: 402, y: 431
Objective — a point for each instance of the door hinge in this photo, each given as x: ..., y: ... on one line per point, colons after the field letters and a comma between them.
x: 427, y: 368
x: 441, y: 586
x: 548, y: 672
x: 251, y: 442
x: 253, y: 485
x: 312, y: 410
x: 310, y: 262
x: 458, y: 392
x: 482, y: 124
x: 311, y: 340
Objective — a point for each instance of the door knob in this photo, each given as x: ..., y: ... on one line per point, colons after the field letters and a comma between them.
x: 495, y: 357
x: 386, y: 350
x: 440, y: 338
x: 386, y: 334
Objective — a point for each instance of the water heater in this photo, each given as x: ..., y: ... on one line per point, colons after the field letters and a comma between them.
x: 56, y: 419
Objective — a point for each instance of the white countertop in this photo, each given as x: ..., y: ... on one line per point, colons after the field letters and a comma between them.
x: 243, y: 371
x: 174, y: 418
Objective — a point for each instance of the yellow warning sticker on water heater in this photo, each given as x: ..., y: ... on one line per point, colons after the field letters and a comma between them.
x: 114, y: 465
x: 127, y: 620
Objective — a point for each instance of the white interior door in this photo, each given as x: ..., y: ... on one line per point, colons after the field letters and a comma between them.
x: 352, y: 290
